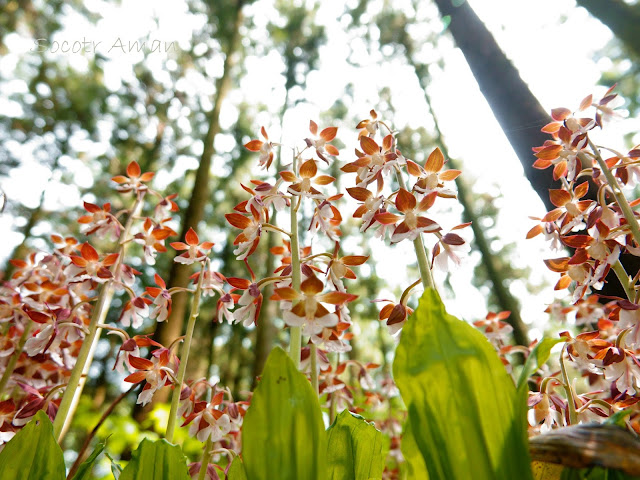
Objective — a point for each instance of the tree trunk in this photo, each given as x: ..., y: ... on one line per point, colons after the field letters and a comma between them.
x: 513, y: 104
x: 621, y: 18
x: 506, y: 300
x: 508, y: 95
x: 180, y: 273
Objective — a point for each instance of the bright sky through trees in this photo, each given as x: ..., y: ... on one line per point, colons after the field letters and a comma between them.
x: 546, y: 40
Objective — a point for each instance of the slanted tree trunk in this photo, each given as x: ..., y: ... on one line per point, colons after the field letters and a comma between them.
x: 180, y: 273
x: 621, y: 18
x: 517, y: 110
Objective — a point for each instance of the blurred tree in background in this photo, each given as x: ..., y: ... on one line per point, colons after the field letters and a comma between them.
x: 68, y: 123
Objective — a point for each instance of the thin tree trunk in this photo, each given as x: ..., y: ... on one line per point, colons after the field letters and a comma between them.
x: 179, y: 275
x: 506, y: 300
x: 517, y: 110
x: 622, y: 19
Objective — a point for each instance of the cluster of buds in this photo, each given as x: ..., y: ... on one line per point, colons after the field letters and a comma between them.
x: 599, y: 228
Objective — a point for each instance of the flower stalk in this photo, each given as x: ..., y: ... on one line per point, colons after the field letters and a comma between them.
x: 617, y: 193
x: 295, y: 342
x: 204, y: 462
x: 418, y: 245
x: 78, y: 376
x: 175, y: 397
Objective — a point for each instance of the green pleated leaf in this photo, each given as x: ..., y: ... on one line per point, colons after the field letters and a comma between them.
x: 354, y: 449
x: 33, y: 454
x: 283, y: 435
x: 236, y: 470
x: 157, y: 460
x: 84, y: 472
x: 464, y: 410
x: 538, y: 357
x: 413, y: 467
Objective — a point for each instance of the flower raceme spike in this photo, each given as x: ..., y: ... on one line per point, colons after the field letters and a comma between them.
x: 195, y: 251
x: 307, y: 310
x: 134, y: 181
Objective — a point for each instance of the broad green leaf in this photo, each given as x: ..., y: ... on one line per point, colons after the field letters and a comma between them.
x: 538, y: 357
x: 413, y: 467
x: 463, y: 407
x: 354, y: 450
x: 236, y: 470
x: 33, y: 454
x: 84, y: 472
x: 283, y: 435
x: 157, y: 460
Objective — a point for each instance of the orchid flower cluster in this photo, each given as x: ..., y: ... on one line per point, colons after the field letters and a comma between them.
x: 599, y: 229
x: 54, y: 307
x: 403, y: 213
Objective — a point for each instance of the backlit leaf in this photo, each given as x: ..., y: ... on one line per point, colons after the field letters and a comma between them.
x: 157, y: 460
x: 283, y: 434
x: 33, y: 454
x: 464, y: 410
x: 354, y: 450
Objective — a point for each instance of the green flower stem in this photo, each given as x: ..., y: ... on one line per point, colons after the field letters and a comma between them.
x: 423, y: 263
x: 625, y: 281
x: 295, y: 342
x: 314, y: 367
x: 76, y: 382
x: 632, y: 221
x: 175, y: 397
x: 333, y: 406
x: 573, y: 416
x: 418, y: 245
x: 78, y: 376
x: 11, y: 365
x: 204, y: 462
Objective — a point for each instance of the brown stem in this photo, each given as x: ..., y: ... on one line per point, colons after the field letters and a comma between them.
x: 87, y: 441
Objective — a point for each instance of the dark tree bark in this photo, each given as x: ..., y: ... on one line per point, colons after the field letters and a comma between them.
x: 622, y: 19
x: 517, y: 110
